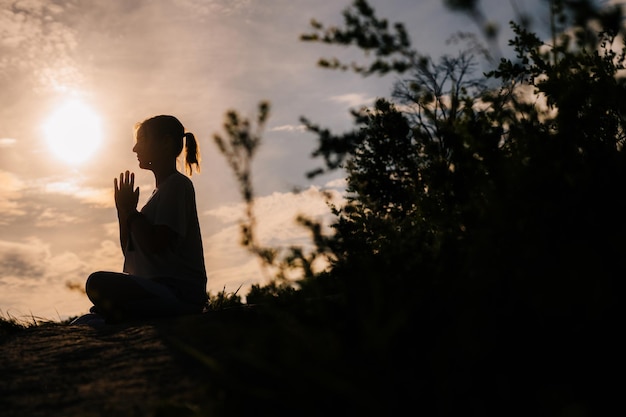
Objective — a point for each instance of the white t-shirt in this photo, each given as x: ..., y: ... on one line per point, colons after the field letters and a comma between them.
x: 181, y: 265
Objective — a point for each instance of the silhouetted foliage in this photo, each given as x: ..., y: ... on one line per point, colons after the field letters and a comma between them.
x: 364, y: 30
x: 239, y: 149
x: 476, y: 266
x: 223, y: 300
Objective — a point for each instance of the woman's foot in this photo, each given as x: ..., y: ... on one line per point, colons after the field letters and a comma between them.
x: 94, y: 320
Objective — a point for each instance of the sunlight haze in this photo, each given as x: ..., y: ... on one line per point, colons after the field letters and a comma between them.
x: 73, y: 131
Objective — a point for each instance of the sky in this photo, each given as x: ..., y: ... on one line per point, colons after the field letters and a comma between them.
x: 119, y: 62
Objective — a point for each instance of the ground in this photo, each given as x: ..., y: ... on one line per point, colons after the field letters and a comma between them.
x: 231, y: 362
x: 124, y: 370
x: 251, y: 361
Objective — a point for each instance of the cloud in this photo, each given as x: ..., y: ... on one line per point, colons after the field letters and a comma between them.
x: 99, y: 197
x: 31, y: 262
x: 276, y: 215
x: 22, y: 260
x: 51, y: 217
x: 275, y: 212
x: 10, y: 191
x: 204, y: 8
x: 107, y: 257
x: 33, y: 279
x: 111, y: 230
x: 34, y: 39
x: 353, y: 99
x: 289, y: 128
x: 18, y: 197
x: 7, y: 142
x: 338, y: 184
x: 230, y: 265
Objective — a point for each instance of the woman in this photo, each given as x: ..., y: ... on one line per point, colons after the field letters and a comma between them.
x: 164, y: 272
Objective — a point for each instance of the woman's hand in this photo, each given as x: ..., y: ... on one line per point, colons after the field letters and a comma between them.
x: 126, y: 196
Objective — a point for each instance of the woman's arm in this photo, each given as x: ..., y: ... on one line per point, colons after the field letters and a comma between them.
x: 124, y: 233
x: 126, y: 199
x: 151, y: 238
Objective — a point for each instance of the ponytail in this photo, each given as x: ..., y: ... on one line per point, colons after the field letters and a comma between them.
x: 192, y: 153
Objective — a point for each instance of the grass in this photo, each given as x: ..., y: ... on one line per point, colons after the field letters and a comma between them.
x: 10, y: 325
x: 223, y: 300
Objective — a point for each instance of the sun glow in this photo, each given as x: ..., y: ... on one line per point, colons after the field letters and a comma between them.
x: 73, y: 132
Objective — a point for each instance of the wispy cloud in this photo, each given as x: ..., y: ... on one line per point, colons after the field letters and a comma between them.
x: 99, y: 197
x: 203, y: 8
x: 15, y: 192
x: 288, y: 128
x: 52, y: 218
x: 276, y: 211
x: 33, y: 279
x: 106, y: 257
x: 10, y: 192
x: 7, y: 142
x: 45, y: 44
x: 353, y: 99
x: 338, y: 184
x: 229, y: 265
x: 22, y: 260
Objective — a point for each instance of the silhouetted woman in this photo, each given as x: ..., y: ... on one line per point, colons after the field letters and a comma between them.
x: 164, y: 272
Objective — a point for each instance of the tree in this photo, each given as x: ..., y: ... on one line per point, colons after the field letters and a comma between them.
x: 484, y: 206
x: 484, y: 218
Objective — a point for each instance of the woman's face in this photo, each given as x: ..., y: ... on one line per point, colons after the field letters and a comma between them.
x: 149, y: 151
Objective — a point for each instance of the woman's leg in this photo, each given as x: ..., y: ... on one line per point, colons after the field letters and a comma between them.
x: 112, y: 293
x: 119, y: 296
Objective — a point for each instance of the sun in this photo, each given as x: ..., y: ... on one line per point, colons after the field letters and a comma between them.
x: 73, y: 131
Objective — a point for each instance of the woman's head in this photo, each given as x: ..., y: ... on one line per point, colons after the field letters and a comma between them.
x: 164, y: 137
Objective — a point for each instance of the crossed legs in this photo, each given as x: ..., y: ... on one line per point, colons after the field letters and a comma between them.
x: 120, y: 296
